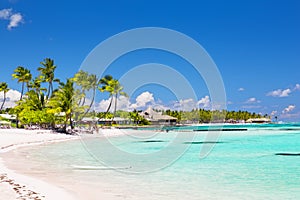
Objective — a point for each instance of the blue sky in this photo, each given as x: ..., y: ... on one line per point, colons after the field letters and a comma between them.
x: 255, y: 44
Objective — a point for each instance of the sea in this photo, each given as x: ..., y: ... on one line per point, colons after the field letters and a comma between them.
x: 253, y: 161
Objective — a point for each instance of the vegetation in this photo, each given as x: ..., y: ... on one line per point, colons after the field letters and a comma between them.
x: 24, y: 76
x: 206, y: 116
x: 49, y: 107
x: 47, y: 74
x: 114, y: 88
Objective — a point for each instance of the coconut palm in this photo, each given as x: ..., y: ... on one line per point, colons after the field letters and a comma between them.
x: 92, y: 85
x: 47, y: 74
x: 105, y: 86
x: 63, y: 101
x: 24, y: 76
x: 81, y: 80
x: 36, y: 85
x: 3, y: 88
x: 113, y: 87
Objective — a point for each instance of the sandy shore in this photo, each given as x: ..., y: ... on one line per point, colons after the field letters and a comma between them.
x: 17, y: 186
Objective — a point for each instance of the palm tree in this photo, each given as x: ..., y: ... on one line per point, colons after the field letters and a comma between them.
x: 63, y: 101
x: 81, y: 80
x: 105, y: 86
x: 92, y: 85
x: 114, y: 88
x: 47, y: 74
x: 24, y: 76
x: 3, y: 88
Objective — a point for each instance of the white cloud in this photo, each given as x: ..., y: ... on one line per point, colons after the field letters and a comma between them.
x: 11, y: 97
x: 146, y: 99
x: 185, y: 104
x: 241, y: 89
x: 297, y: 87
x: 142, y: 100
x: 289, y: 109
x: 280, y: 93
x: 204, y: 102
x: 274, y: 112
x: 102, y: 105
x: 253, y: 100
x: 5, y: 13
x: 229, y: 102
x: 122, y: 104
x: 14, y: 18
x: 160, y: 107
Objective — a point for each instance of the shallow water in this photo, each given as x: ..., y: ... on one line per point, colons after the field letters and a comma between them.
x: 260, y: 163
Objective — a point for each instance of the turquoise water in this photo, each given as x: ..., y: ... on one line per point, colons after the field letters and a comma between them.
x: 261, y: 162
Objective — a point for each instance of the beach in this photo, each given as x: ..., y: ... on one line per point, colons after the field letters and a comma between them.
x: 17, y: 186
x: 244, y: 164
x: 16, y: 183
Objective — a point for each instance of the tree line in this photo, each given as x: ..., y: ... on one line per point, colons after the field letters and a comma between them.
x: 42, y: 104
x: 206, y: 116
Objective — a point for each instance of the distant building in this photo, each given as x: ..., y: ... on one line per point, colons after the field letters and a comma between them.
x: 157, y: 118
x: 259, y: 120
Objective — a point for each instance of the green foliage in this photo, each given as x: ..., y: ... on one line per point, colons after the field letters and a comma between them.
x: 47, y: 74
x: 63, y: 101
x: 85, y: 82
x: 173, y: 113
x: 105, y: 115
x: 206, y: 116
x: 24, y: 76
x: 123, y: 114
x: 138, y: 119
x: 113, y: 87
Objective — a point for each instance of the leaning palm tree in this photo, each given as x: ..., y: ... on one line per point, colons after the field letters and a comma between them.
x: 47, y: 74
x: 105, y: 86
x: 3, y: 88
x: 114, y: 88
x: 92, y: 81
x: 24, y: 76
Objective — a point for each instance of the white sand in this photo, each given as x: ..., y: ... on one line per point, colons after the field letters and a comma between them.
x: 13, y: 185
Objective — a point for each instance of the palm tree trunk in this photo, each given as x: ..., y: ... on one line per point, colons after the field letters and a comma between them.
x: 27, y: 85
x: 71, y: 124
x: 66, y: 122
x: 4, y: 98
x: 48, y: 93
x: 93, y: 98
x: 79, y: 102
x: 116, y: 100
x: 51, y: 87
x: 83, y: 102
x: 22, y: 91
x: 109, y: 105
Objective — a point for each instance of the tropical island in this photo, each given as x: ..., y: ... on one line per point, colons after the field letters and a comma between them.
x: 44, y: 106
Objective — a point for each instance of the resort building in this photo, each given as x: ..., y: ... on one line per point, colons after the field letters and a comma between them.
x: 157, y: 118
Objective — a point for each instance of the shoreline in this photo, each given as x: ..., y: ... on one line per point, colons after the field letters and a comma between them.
x: 18, y: 186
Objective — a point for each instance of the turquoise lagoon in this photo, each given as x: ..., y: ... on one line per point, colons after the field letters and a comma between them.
x: 244, y: 162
